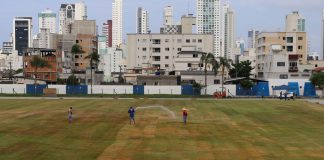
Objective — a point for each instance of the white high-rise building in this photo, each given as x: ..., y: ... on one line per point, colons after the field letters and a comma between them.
x: 323, y: 34
x: 295, y: 22
x: 209, y: 21
x: 80, y: 11
x: 117, y: 20
x: 142, y: 21
x: 252, y: 34
x: 66, y: 18
x: 47, y: 19
x: 228, y: 31
x: 168, y: 16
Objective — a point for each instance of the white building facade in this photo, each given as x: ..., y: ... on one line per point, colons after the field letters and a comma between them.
x: 228, y: 31
x: 66, y: 17
x: 252, y: 35
x: 209, y: 22
x: 142, y: 21
x: 168, y: 16
x: 295, y: 22
x: 117, y: 20
x: 47, y: 19
x: 80, y: 11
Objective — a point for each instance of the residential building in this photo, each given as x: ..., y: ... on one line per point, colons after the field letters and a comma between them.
x: 252, y: 35
x: 43, y: 38
x: 187, y: 23
x: 279, y: 54
x: 66, y: 17
x: 229, y: 31
x: 105, y: 58
x: 107, y: 31
x: 295, y: 22
x: 7, y: 48
x: 168, y: 16
x: 47, y: 19
x: 209, y: 22
x: 142, y: 21
x: 22, y: 34
x: 240, y: 44
x: 117, y: 20
x: 80, y: 11
x: 161, y: 50
x: 48, y: 74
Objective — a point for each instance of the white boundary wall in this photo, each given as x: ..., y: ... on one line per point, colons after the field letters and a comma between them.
x: 172, y: 90
x: 110, y: 89
x: 13, y: 88
x: 211, y: 89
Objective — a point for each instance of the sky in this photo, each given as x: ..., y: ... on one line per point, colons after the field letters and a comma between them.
x: 264, y: 15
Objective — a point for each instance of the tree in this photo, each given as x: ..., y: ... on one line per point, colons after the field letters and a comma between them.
x: 317, y: 79
x: 38, y: 62
x: 241, y: 69
x: 246, y: 83
x: 208, y: 60
x: 224, y: 64
x: 72, y: 80
x: 94, y: 57
x: 76, y: 49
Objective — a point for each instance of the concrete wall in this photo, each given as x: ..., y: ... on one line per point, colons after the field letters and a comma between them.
x: 105, y: 89
x: 174, y: 90
x: 60, y: 89
x: 211, y: 89
x: 13, y: 88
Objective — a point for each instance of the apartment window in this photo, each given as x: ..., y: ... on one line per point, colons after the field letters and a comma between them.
x: 283, y: 47
x: 300, y: 47
x: 300, y: 38
x: 290, y: 49
x: 199, y: 40
x: 156, y: 41
x: 283, y: 76
x: 189, y: 64
x: 167, y: 40
x: 167, y: 49
x: 166, y: 57
x: 187, y: 40
x: 281, y: 64
x: 156, y: 50
x: 179, y: 49
x: 195, y: 55
x: 166, y: 66
x: 144, y: 49
x: 216, y: 81
x: 194, y: 41
x: 284, y: 38
x: 201, y: 65
x: 290, y: 39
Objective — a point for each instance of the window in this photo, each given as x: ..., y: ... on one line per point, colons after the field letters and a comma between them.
x: 195, y: 55
x: 166, y: 57
x: 283, y: 47
x: 144, y: 49
x: 167, y: 49
x: 201, y: 65
x: 166, y: 66
x: 300, y: 38
x: 300, y: 47
x: 156, y: 41
x: 189, y: 64
x: 194, y: 41
x: 290, y: 40
x: 283, y: 76
x: 281, y: 64
x: 187, y: 40
x: 284, y: 38
x: 167, y: 40
x: 179, y: 49
x: 199, y: 40
x: 290, y: 49
x: 216, y: 81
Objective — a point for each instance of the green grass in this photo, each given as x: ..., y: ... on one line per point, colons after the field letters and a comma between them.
x: 228, y: 129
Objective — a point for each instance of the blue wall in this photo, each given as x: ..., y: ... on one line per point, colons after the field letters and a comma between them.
x: 76, y: 89
x: 35, y: 89
x: 293, y: 87
x: 309, y: 90
x: 138, y: 89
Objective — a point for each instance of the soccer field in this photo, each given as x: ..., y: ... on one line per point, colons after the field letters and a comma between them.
x: 225, y: 129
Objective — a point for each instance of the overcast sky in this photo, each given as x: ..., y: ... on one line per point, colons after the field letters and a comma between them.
x: 265, y: 15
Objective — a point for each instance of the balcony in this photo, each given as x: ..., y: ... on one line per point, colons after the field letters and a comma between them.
x: 293, y: 69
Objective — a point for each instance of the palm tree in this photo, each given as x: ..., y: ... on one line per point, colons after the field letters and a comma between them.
x: 208, y: 59
x: 224, y: 64
x: 38, y: 62
x: 94, y: 57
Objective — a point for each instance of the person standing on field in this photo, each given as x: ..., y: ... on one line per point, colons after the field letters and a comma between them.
x: 70, y: 115
x: 131, y: 112
x: 185, y: 115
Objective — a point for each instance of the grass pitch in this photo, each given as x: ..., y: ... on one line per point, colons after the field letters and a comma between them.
x: 229, y: 129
